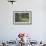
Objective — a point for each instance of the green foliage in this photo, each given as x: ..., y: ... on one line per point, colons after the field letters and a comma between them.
x: 22, y: 17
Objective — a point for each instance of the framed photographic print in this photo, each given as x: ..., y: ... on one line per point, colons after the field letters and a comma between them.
x: 22, y: 17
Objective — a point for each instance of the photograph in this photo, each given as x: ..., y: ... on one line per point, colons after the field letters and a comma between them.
x: 22, y: 17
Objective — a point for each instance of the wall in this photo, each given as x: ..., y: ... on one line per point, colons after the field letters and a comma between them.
x: 9, y: 31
